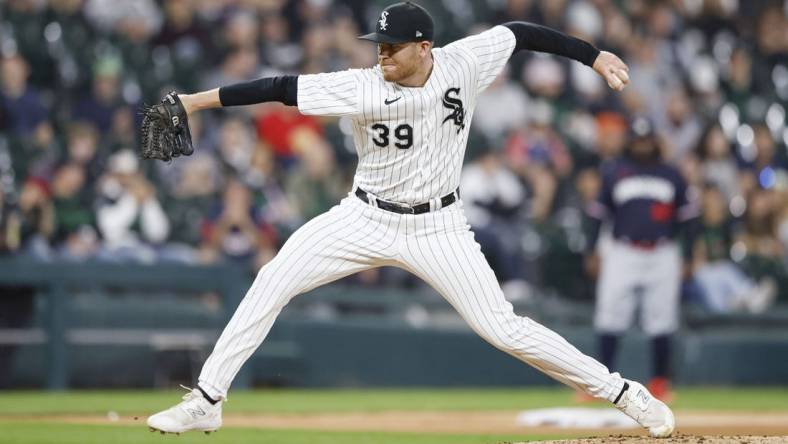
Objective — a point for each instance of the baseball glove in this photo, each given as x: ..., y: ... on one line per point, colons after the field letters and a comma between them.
x: 165, y: 130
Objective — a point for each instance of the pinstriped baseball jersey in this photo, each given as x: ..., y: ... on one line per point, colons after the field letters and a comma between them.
x: 411, y: 141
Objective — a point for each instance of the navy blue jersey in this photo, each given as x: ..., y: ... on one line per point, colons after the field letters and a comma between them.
x: 646, y: 203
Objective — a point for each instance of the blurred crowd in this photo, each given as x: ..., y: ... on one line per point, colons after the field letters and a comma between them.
x: 711, y: 74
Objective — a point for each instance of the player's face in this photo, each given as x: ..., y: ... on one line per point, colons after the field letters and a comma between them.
x: 645, y: 148
x: 400, y: 61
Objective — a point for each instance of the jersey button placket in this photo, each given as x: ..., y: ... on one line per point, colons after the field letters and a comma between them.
x: 428, y: 128
x: 425, y: 142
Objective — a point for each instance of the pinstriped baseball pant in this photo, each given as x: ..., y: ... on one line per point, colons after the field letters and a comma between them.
x: 439, y: 248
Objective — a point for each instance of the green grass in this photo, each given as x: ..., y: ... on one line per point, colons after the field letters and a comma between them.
x: 48, y: 433
x: 17, y: 407
x: 313, y: 401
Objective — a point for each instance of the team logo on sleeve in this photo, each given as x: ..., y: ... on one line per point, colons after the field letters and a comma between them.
x: 383, y: 17
x: 457, y: 114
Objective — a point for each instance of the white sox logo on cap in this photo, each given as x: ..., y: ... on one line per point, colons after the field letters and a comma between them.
x: 383, y: 17
x: 412, y: 24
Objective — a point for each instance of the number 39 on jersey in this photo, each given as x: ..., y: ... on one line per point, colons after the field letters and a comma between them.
x: 402, y: 135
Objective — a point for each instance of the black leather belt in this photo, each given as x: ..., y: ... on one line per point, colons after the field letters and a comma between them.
x: 407, y: 209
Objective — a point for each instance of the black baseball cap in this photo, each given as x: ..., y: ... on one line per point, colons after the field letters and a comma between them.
x: 402, y: 22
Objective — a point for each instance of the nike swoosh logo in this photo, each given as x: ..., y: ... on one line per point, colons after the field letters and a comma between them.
x: 389, y: 102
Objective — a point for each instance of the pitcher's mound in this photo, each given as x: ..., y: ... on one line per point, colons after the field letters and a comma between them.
x: 680, y: 439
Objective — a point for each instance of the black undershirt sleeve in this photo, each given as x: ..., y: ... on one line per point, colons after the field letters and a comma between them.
x: 540, y: 38
x: 268, y: 89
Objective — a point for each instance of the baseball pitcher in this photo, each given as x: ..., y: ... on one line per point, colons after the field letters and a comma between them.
x: 411, y: 115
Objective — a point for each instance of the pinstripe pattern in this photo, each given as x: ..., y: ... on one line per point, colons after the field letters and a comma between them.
x: 431, y: 167
x: 350, y: 238
x: 437, y: 246
x: 440, y: 249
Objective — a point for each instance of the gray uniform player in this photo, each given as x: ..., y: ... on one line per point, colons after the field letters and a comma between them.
x: 411, y: 116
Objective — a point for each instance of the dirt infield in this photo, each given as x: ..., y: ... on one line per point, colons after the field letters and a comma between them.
x: 695, y: 427
x: 681, y: 439
x: 694, y: 423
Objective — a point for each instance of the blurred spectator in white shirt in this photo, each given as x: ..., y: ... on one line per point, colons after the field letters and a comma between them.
x: 130, y: 217
x: 502, y: 107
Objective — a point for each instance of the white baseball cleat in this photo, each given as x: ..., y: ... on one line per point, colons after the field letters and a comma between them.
x: 647, y: 410
x: 193, y: 413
